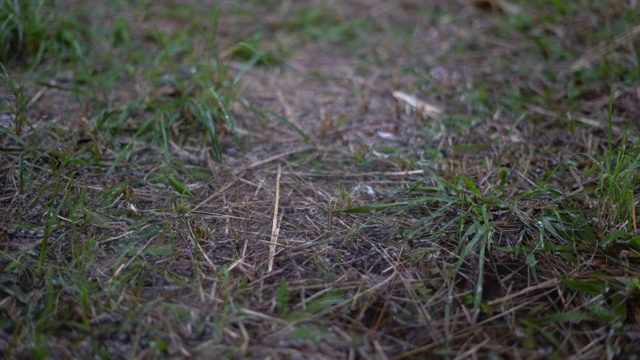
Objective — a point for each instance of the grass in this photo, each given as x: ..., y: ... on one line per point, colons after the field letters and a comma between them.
x: 33, y: 30
x: 142, y: 218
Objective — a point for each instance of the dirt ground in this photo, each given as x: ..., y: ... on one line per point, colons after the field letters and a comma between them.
x: 280, y: 251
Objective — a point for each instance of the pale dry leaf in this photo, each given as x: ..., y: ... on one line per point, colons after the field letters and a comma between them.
x: 387, y: 135
x: 417, y: 104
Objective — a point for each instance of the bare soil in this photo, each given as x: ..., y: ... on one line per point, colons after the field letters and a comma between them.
x: 381, y: 284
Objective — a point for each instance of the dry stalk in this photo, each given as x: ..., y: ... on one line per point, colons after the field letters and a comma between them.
x: 124, y: 266
x: 364, y: 174
x: 275, y: 229
x: 600, y: 51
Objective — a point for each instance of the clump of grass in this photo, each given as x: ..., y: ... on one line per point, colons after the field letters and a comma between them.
x: 616, y: 189
x: 29, y: 30
x: 23, y: 28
